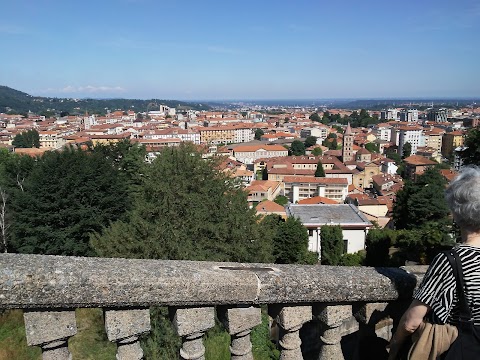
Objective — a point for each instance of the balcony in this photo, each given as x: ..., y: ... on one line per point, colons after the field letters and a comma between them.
x: 334, y: 302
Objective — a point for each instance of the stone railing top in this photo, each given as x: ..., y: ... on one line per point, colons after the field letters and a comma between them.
x: 39, y: 281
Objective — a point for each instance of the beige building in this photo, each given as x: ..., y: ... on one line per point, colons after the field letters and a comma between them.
x: 260, y: 190
x: 217, y: 134
x: 433, y: 139
x: 451, y: 141
x: 364, y: 173
x: 416, y: 165
x: 249, y: 153
x: 51, y: 140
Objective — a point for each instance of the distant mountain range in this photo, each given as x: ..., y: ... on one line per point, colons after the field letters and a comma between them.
x: 17, y: 102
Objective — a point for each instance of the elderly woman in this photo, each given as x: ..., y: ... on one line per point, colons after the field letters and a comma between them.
x: 436, y: 297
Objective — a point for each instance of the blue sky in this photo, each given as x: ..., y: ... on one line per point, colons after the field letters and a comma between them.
x: 283, y: 49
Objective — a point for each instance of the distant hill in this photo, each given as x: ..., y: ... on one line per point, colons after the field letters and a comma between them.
x: 14, y: 101
x: 376, y: 104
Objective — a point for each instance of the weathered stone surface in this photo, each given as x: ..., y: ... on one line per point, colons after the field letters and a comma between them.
x: 132, y: 351
x: 123, y: 324
x: 37, y: 281
x: 189, y: 321
x: 333, y: 315
x: 44, y: 327
x: 237, y: 320
x: 61, y: 353
x: 365, y: 313
x: 293, y: 317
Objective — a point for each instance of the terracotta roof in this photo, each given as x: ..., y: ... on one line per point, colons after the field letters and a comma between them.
x: 316, y: 180
x: 419, y: 160
x: 269, y: 206
x: 317, y: 200
x: 253, y: 148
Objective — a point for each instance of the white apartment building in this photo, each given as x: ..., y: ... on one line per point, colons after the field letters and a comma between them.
x: 410, y: 115
x: 303, y: 187
x: 412, y: 135
x: 390, y: 114
x: 243, y: 134
x: 174, y: 133
x: 320, y: 133
x: 383, y: 132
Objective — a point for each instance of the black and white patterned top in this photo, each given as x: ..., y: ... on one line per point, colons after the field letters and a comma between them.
x: 438, y: 291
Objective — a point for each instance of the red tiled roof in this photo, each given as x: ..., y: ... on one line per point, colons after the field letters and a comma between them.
x: 317, y: 200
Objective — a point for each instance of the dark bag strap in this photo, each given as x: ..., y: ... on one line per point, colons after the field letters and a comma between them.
x: 454, y: 260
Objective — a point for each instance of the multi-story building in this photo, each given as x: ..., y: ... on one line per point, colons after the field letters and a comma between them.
x: 416, y: 165
x: 410, y: 115
x: 433, y: 138
x: 260, y: 190
x: 451, y: 141
x: 217, y: 135
x: 410, y: 134
x: 173, y: 133
x: 389, y: 114
x: 247, y: 154
x: 437, y: 115
x: 51, y: 140
x: 243, y: 133
x: 383, y: 131
x: 302, y: 187
x: 320, y: 132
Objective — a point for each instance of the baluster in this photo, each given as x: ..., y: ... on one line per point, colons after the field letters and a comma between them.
x: 125, y: 327
x: 191, y: 324
x: 291, y: 319
x: 50, y: 330
x: 239, y: 323
x: 332, y: 316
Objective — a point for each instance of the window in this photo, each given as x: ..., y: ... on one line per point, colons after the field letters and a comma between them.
x: 310, y: 232
x: 345, y: 246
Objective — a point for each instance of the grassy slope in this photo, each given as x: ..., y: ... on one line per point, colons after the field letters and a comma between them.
x: 91, y: 343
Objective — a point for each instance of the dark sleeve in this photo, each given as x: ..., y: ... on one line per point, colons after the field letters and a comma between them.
x: 437, y: 289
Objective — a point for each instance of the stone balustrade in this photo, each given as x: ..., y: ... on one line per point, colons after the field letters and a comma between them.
x: 341, y: 300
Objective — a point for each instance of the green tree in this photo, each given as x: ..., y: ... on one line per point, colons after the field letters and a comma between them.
x: 27, y: 139
x: 281, y: 200
x: 378, y: 243
x: 67, y: 196
x: 372, y: 147
x: 471, y: 155
x: 319, y: 172
x: 290, y: 240
x: 315, y: 117
x: 326, y: 118
x: 419, y: 203
x: 128, y: 158
x: 356, y: 259
x: 407, y: 150
x: 297, y: 148
x: 317, y: 151
x: 187, y: 210
x: 310, y: 141
x: 258, y: 134
x: 331, y: 239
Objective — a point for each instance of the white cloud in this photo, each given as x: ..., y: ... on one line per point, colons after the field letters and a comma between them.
x: 91, y: 89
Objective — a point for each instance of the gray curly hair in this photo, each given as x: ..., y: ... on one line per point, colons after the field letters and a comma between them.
x: 463, y: 198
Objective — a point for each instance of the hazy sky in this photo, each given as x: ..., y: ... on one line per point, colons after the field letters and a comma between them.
x: 243, y: 49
